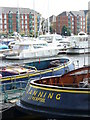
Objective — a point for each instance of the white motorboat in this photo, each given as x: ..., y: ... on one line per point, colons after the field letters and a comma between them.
x: 56, y: 40
x: 31, y: 49
x: 79, y: 44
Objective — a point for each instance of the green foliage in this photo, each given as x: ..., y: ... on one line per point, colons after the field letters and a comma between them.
x: 51, y: 29
x: 22, y: 34
x: 65, y: 31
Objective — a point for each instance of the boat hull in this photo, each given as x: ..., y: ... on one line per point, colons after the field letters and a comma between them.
x: 8, y: 82
x: 54, y: 102
x: 12, y: 81
x: 77, y: 50
x: 33, y: 54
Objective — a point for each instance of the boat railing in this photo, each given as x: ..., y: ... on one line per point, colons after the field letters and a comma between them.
x: 15, y: 92
x: 30, y: 67
x: 21, y: 66
x: 14, y: 77
x: 39, y: 73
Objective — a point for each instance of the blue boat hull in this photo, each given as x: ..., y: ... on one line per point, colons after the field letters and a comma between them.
x: 53, y: 102
x: 9, y: 81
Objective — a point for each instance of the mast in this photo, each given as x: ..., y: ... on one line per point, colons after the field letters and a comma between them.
x: 18, y: 17
x: 34, y: 18
x: 48, y: 17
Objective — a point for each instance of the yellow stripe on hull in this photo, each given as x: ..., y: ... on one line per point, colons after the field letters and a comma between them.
x: 60, y: 90
x: 34, y: 74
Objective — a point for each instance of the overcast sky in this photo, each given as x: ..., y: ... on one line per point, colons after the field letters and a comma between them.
x: 47, y: 7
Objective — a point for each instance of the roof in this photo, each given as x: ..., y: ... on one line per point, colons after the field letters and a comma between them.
x: 73, y: 13
x: 15, y: 9
x: 80, y: 13
x: 65, y: 13
x: 52, y: 18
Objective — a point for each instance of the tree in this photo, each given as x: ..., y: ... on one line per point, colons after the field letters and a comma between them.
x: 51, y: 29
x: 65, y: 31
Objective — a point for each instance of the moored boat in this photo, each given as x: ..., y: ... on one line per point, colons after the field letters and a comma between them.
x: 56, y: 40
x: 32, y: 48
x: 79, y: 44
x: 54, y: 97
x: 35, y: 69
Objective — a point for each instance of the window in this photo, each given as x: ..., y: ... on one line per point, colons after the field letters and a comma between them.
x: 48, y: 39
x: 83, y: 23
x: 0, y: 16
x: 1, y: 27
x: 81, y: 27
x: 81, y: 19
x: 72, y: 18
x: 22, y: 26
x: 4, y: 16
x: 25, y: 21
x: 72, y: 23
x: 69, y: 17
x: 39, y: 45
x: 26, y: 46
x: 25, y: 26
x: 5, y: 21
x: 0, y: 21
x: 22, y: 22
x: 22, y: 17
x: 5, y: 27
x: 72, y: 27
x: 25, y: 17
x: 77, y: 17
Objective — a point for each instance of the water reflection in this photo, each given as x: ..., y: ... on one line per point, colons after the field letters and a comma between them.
x: 79, y: 60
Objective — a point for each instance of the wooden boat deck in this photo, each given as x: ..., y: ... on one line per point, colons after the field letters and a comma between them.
x: 72, y: 79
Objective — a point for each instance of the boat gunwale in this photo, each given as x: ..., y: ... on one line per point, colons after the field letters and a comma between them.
x: 39, y: 71
x: 59, y: 88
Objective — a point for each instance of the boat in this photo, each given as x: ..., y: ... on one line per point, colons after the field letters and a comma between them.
x: 31, y: 49
x: 16, y: 73
x: 58, y: 96
x: 13, y: 38
x: 3, y: 49
x: 79, y: 44
x: 3, y: 46
x: 56, y: 40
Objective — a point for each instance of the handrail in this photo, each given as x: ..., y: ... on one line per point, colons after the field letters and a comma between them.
x: 31, y: 67
x: 14, y: 93
x: 40, y: 71
x: 24, y: 66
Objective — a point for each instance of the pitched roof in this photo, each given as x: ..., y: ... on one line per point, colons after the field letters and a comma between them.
x: 15, y: 9
x: 80, y: 13
x: 65, y: 13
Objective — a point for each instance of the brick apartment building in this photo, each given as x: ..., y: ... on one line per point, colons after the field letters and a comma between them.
x: 74, y: 20
x: 20, y: 20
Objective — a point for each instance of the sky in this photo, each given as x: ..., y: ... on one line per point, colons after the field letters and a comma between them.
x: 47, y: 7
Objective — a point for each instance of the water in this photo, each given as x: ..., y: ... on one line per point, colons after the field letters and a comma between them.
x: 79, y: 60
